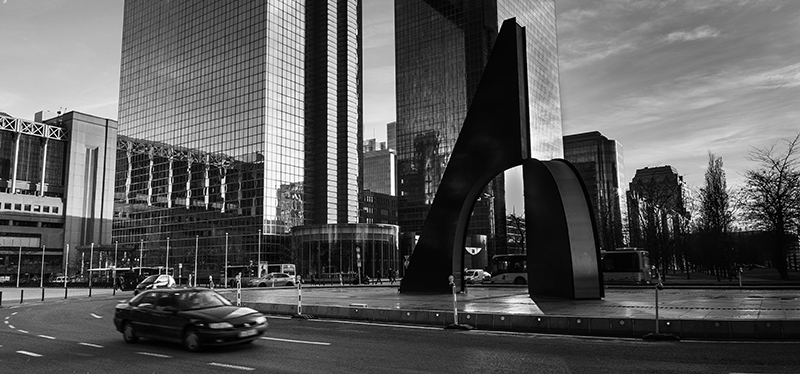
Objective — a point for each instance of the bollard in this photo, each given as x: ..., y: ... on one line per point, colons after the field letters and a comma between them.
x: 300, y: 301
x: 1, y: 298
x: 65, y: 293
x: 21, y: 295
x: 657, y: 336
x: 455, y: 324
x: 42, y: 293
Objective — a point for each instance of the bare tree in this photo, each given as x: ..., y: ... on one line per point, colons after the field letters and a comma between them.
x: 516, y: 233
x: 772, y: 194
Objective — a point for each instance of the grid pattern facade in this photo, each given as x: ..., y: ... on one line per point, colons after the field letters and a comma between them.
x: 240, y: 119
x: 441, y: 50
x: 599, y: 161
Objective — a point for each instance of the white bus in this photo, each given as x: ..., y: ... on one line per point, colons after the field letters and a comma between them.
x: 510, y: 268
x: 626, y: 265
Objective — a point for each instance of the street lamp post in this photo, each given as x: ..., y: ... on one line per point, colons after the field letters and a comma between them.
x: 66, y: 263
x: 91, y: 254
x: 41, y: 278
x: 167, y: 263
x: 196, y: 248
x: 226, y: 259
x: 259, y: 253
x: 141, y: 254
x: 19, y: 265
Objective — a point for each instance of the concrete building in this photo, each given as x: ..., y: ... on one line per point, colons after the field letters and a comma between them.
x: 56, y: 188
x: 441, y: 50
x: 600, y: 163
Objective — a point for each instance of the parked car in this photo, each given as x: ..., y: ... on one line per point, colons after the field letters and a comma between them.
x: 472, y: 276
x: 155, y: 281
x: 194, y: 317
x: 273, y: 280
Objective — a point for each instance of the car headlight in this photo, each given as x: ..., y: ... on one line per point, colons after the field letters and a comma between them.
x: 220, y: 325
x: 260, y: 320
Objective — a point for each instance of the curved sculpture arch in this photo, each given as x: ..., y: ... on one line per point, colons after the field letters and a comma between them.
x: 494, y: 138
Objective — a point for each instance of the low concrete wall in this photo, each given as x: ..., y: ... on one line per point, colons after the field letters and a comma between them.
x: 610, y: 327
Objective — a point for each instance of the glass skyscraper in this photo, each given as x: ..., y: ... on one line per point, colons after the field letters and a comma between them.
x: 238, y: 121
x: 600, y: 163
x: 441, y: 50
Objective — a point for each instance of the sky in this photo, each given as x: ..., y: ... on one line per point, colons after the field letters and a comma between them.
x: 670, y: 80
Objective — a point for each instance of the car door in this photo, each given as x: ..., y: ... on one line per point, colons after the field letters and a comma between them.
x: 166, y: 322
x: 140, y: 314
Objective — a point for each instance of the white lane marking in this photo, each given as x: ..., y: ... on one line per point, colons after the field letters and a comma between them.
x: 22, y: 331
x: 294, y: 341
x: 95, y: 315
x: 47, y: 337
x: 91, y: 345
x: 29, y: 353
x: 153, y: 354
x: 11, y: 326
x: 229, y: 366
x: 13, y: 314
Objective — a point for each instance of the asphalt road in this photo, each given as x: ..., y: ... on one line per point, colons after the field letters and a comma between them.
x: 78, y: 336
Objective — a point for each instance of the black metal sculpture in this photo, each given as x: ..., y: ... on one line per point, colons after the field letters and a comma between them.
x: 495, y: 138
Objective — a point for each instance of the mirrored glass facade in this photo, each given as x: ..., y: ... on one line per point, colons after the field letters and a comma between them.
x: 441, y: 50
x: 600, y: 163
x: 238, y: 121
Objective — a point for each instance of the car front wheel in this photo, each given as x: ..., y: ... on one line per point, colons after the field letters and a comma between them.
x: 128, y: 334
x: 191, y: 341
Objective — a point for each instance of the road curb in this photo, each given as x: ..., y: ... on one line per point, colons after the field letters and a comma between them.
x: 564, y: 325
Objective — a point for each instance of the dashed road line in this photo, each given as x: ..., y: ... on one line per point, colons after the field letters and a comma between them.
x: 95, y: 316
x: 153, y: 354
x: 91, y: 345
x: 29, y: 353
x: 22, y: 331
x: 295, y: 341
x: 229, y: 366
x: 47, y: 337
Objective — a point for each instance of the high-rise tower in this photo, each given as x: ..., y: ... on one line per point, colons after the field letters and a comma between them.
x: 441, y: 50
x: 238, y: 121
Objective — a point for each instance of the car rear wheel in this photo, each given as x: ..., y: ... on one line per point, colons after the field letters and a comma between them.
x: 128, y: 333
x: 191, y: 341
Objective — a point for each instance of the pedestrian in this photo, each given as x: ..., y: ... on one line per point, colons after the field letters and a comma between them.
x: 391, y: 276
x: 378, y: 277
x: 211, y: 282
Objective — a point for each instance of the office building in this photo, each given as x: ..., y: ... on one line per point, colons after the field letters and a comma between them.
x: 600, y: 163
x: 56, y: 188
x: 441, y: 50
x: 657, y: 213
x: 239, y: 121
x: 379, y: 168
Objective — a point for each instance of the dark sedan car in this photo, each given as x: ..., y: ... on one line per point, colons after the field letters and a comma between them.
x: 195, y: 317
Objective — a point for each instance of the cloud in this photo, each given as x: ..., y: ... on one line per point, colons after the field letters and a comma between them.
x: 702, y: 32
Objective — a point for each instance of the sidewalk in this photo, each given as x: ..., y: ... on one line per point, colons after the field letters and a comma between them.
x: 712, y: 313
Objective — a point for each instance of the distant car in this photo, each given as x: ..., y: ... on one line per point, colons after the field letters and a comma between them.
x: 476, y: 276
x: 155, y: 281
x: 273, y: 280
x: 194, y: 317
x: 60, y: 280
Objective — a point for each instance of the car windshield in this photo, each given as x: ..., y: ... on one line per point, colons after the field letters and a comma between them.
x: 471, y: 272
x: 202, y: 300
x: 150, y: 279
